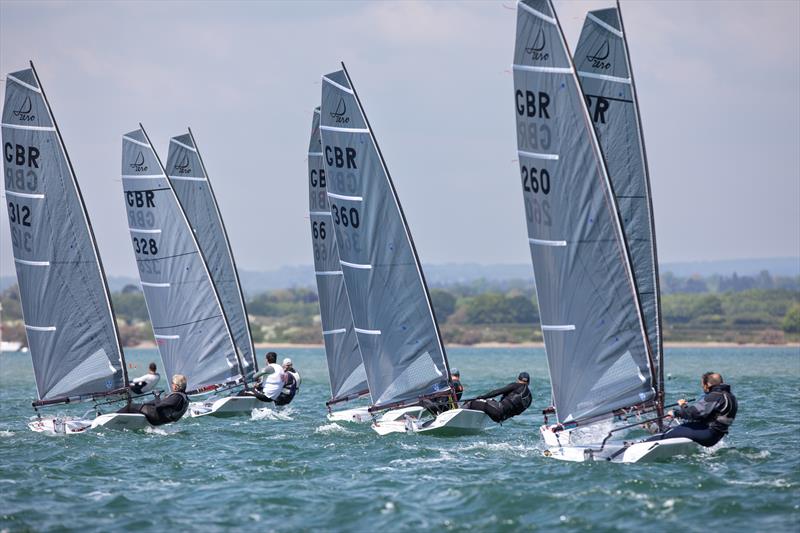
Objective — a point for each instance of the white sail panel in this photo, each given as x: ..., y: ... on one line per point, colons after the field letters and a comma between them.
x: 345, y: 367
x: 188, y: 321
x: 389, y: 301
x: 601, y: 59
x: 192, y: 186
x: 65, y: 300
x: 590, y: 314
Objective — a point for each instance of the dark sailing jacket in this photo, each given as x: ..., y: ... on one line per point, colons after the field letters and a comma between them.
x: 717, y: 409
x: 170, y: 409
x: 516, y: 398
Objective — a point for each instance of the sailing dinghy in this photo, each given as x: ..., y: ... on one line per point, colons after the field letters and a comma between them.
x: 403, y: 355
x: 189, y: 322
x: 595, y: 273
x: 345, y: 367
x: 69, y: 320
x: 189, y: 178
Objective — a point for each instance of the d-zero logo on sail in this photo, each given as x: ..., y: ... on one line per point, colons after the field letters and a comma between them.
x: 139, y: 165
x: 338, y: 115
x: 535, y: 50
x: 598, y: 59
x: 24, y: 111
x: 183, y: 167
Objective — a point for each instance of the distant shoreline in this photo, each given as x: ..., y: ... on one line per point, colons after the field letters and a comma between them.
x: 687, y: 344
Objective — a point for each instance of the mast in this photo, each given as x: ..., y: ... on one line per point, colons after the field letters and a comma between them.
x: 229, y: 249
x: 405, y: 224
x: 200, y: 253
x: 106, y: 291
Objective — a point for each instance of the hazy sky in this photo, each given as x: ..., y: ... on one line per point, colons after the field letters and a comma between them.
x: 718, y: 82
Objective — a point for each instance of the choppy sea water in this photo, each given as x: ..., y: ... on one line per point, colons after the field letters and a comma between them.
x: 295, y: 471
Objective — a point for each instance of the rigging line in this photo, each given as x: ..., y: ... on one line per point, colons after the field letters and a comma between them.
x: 187, y: 323
x: 166, y: 257
x: 610, y: 98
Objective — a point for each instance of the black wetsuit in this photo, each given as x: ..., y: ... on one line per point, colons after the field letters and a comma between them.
x: 159, y: 412
x: 516, y: 398
x: 708, y: 419
x: 458, y: 388
x: 289, y: 389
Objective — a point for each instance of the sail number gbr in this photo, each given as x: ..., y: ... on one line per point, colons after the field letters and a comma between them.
x: 536, y: 188
x: 345, y: 217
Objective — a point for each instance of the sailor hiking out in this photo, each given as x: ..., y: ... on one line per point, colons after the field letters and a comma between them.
x: 166, y: 410
x: 709, y: 419
x: 292, y: 384
x: 516, y: 398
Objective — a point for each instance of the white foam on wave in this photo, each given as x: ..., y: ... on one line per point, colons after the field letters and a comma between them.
x: 331, y: 428
x: 159, y: 430
x: 6, y: 433
x: 778, y: 483
x: 500, y: 447
x: 98, y: 495
x: 266, y: 413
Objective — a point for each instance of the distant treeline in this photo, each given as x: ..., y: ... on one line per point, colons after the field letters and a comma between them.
x: 743, y: 309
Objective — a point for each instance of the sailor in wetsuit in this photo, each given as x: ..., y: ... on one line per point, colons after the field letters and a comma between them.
x: 292, y: 383
x: 455, y: 379
x: 166, y: 410
x: 516, y: 398
x: 147, y: 382
x: 708, y: 419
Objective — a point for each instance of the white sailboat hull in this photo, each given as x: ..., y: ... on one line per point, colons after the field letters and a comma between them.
x: 225, y: 407
x: 455, y: 422
x: 359, y: 415
x: 70, y: 426
x: 559, y: 447
x: 131, y: 421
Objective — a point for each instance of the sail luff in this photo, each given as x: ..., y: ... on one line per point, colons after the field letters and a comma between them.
x: 229, y: 250
x: 405, y: 223
x: 106, y: 290
x: 656, y: 274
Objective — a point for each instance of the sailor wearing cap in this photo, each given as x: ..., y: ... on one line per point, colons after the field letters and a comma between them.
x: 292, y: 383
x: 516, y: 397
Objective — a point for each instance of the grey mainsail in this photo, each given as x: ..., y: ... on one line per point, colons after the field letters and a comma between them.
x: 69, y: 320
x: 345, y: 367
x: 597, y: 349
x: 399, y: 338
x: 188, y: 321
x: 603, y: 64
x: 191, y: 184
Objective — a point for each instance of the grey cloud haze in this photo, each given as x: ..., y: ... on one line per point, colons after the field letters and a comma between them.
x: 718, y: 85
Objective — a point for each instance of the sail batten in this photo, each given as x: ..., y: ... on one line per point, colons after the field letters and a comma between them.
x: 404, y: 357
x: 188, y: 320
x: 592, y: 322
x: 67, y: 310
x: 348, y: 379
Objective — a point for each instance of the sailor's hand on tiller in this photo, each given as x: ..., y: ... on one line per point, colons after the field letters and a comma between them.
x: 670, y: 414
x: 681, y: 402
